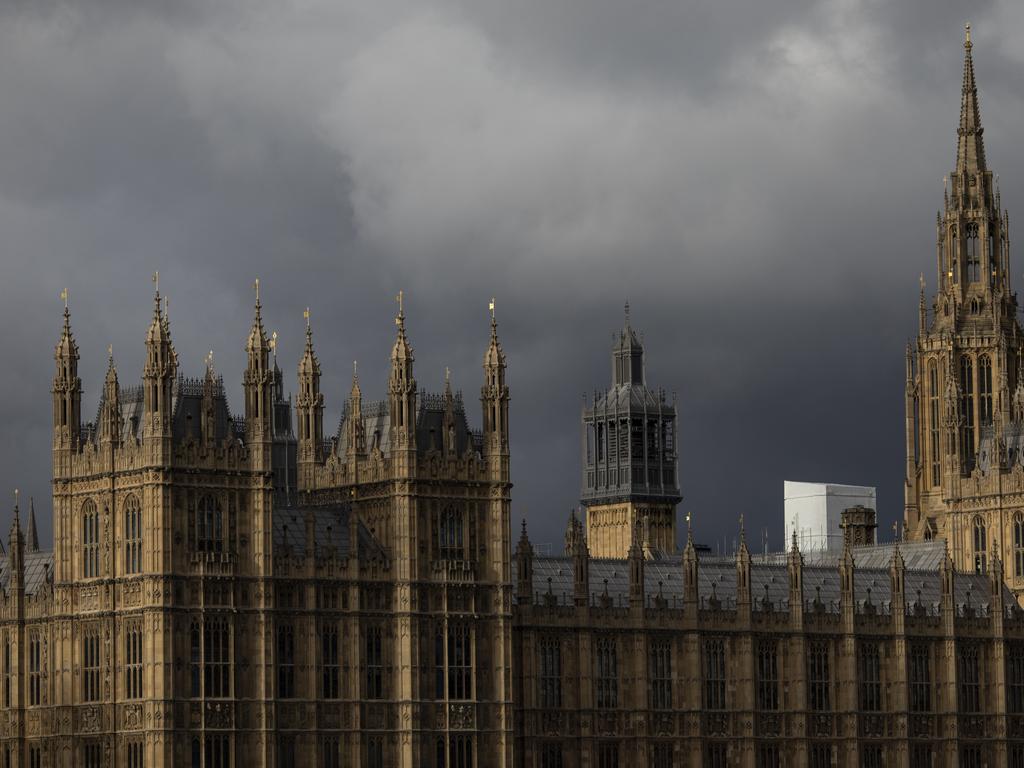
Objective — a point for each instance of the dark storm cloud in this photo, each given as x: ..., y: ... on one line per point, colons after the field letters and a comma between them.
x: 758, y: 179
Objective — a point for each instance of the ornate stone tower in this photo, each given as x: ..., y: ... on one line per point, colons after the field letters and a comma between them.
x: 629, y: 459
x: 964, y: 394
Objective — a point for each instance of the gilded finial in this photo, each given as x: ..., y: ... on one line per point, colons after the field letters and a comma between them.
x: 355, y: 369
x: 209, y: 360
x: 273, y: 343
x: 921, y: 281
x: 156, y: 282
x: 689, y: 517
x: 64, y: 297
x: 110, y: 353
x: 16, y: 492
x: 967, y: 35
x: 305, y: 314
x: 447, y: 375
x: 490, y: 306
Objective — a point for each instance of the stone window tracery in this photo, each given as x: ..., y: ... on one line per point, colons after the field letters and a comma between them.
x: 35, y: 645
x: 90, y: 540
x: 373, y: 661
x: 980, y: 546
x: 550, y: 673
x: 132, y: 535
x: 285, y: 661
x: 985, y: 390
x: 330, y: 661
x: 919, y: 679
x: 606, y: 678
x: 133, y: 663
x: 819, y: 681
x: 967, y: 410
x: 969, y: 677
x: 209, y: 525
x: 660, y: 674
x: 933, y: 422
x: 869, y: 661
x: 91, y: 666
x: 451, y: 535
x: 973, y: 253
x: 714, y: 674
x: 767, y: 675
x: 1018, y: 545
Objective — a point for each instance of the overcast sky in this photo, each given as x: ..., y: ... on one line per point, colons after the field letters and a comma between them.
x: 758, y: 179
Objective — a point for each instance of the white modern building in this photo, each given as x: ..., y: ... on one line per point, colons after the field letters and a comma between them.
x: 813, y: 510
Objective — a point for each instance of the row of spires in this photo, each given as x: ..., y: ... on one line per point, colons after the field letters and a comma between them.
x: 576, y: 548
x: 162, y: 364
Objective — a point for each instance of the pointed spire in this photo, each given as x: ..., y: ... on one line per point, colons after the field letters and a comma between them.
x: 33, y: 536
x: 524, y: 567
x: 356, y: 393
x: 257, y: 342
x: 66, y: 347
x: 402, y: 351
x: 309, y: 364
x: 970, y: 156
x: 110, y: 414
x: 494, y: 357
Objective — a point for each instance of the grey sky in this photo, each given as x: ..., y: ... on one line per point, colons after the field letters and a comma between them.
x: 759, y: 179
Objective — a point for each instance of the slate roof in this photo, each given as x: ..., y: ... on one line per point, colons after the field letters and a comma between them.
x: 663, y: 578
x: 331, y: 532
x: 38, y: 567
x: 430, y: 410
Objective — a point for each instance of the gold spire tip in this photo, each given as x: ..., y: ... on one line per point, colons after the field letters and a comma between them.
x: 273, y: 342
x: 400, y: 298
x: 305, y: 314
x: 490, y: 306
x: 64, y: 297
x: 156, y: 282
x: 967, y: 33
x: 256, y: 287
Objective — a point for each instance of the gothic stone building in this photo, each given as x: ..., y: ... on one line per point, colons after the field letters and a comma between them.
x: 965, y: 373
x: 222, y: 592
x: 225, y: 592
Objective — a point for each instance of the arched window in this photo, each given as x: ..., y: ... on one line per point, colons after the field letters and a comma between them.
x: 132, y: 535
x: 450, y: 538
x: 967, y: 410
x: 973, y: 254
x: 984, y: 390
x: 954, y: 253
x: 209, y: 526
x: 980, y: 546
x: 195, y: 659
x: 90, y: 541
x: 993, y: 255
x: 1018, y: 545
x: 933, y: 421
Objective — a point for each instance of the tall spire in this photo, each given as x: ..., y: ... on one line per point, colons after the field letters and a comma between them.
x: 970, y: 153
x: 67, y: 390
x: 33, y: 536
x: 309, y: 408
x: 110, y: 415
